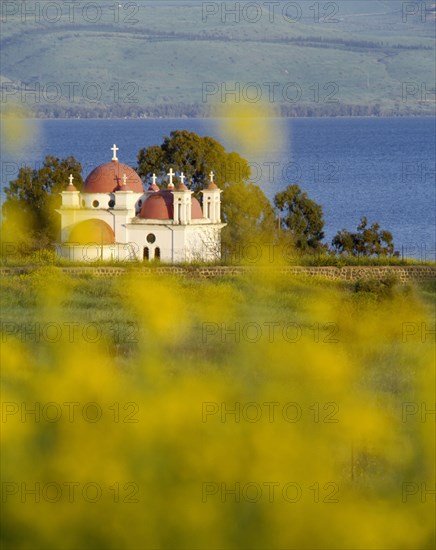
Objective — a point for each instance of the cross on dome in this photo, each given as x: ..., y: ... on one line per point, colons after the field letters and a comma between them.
x: 154, y: 179
x: 171, y: 174
x: 71, y: 179
x: 124, y: 179
x: 211, y: 175
x: 182, y: 178
x: 114, y: 150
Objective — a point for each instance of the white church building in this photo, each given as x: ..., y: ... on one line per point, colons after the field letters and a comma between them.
x: 114, y: 218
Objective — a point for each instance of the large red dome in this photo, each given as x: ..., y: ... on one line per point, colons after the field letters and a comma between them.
x: 108, y: 178
x: 159, y: 206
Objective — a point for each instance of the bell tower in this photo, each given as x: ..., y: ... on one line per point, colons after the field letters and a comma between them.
x: 212, y: 201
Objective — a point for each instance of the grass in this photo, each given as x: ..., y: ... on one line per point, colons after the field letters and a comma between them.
x: 98, y: 300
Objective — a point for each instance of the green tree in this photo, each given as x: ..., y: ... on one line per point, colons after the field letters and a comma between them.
x: 245, y: 208
x: 31, y: 199
x: 303, y: 218
x: 366, y: 241
x: 249, y: 216
x: 196, y: 157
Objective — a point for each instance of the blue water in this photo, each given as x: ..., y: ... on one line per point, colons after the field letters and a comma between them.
x: 378, y: 167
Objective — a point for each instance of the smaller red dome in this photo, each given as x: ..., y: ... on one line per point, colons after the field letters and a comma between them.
x: 108, y: 178
x: 92, y: 231
x: 71, y: 187
x: 181, y: 187
x: 160, y: 206
x: 196, y: 211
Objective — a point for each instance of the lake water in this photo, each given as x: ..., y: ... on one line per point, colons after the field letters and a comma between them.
x: 378, y: 167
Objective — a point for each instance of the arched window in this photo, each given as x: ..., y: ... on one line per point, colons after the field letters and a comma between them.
x: 157, y: 253
x: 146, y: 255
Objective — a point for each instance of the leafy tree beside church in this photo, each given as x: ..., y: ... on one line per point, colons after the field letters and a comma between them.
x: 196, y: 157
x: 31, y: 200
x: 245, y: 208
x: 302, y: 218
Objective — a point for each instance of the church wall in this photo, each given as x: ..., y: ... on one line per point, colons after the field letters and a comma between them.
x: 137, y: 237
x: 203, y: 243
x: 176, y: 243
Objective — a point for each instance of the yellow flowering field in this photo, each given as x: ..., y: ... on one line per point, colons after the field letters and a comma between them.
x: 255, y: 412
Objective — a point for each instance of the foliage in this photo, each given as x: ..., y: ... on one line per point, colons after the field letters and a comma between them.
x: 249, y: 215
x: 31, y: 200
x: 381, y: 288
x: 302, y: 217
x: 196, y: 157
x: 366, y: 241
x: 245, y: 208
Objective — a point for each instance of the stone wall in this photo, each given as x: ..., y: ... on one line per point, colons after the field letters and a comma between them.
x: 404, y: 274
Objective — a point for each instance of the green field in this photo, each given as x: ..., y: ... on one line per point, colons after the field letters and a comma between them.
x: 155, y: 61
x: 326, y: 381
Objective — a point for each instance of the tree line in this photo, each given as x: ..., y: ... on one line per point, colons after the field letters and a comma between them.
x: 200, y: 110
x: 292, y: 220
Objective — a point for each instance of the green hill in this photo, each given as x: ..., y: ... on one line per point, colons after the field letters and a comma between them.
x: 179, y: 58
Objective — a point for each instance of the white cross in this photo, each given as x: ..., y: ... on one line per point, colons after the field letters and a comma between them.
x: 115, y: 149
x: 212, y: 175
x: 154, y: 179
x: 124, y: 179
x: 71, y: 179
x: 182, y: 178
x: 171, y: 174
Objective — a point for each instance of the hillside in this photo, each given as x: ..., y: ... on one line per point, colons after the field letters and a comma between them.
x: 179, y: 58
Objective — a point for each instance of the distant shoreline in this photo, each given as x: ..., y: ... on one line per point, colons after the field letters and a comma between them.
x: 422, y: 115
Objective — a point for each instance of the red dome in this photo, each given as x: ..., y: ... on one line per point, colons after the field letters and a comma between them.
x: 92, y: 232
x: 159, y: 206
x: 70, y: 188
x: 196, y: 211
x: 108, y: 178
